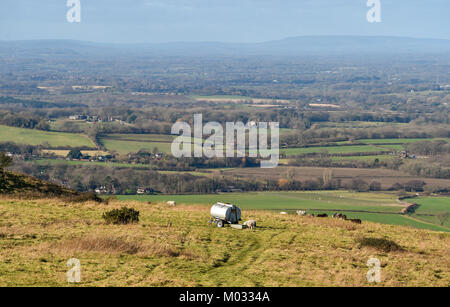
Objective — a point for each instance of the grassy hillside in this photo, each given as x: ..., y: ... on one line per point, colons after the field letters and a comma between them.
x: 176, y: 247
x: 38, y: 137
x: 11, y: 183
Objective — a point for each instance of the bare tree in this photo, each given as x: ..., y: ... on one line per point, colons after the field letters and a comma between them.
x: 327, y: 177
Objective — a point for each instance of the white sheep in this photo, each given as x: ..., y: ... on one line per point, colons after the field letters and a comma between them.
x: 250, y: 224
x: 301, y: 212
x: 171, y: 203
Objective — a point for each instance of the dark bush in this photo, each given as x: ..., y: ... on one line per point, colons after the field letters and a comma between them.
x: 121, y: 216
x: 84, y: 197
x: 379, y: 244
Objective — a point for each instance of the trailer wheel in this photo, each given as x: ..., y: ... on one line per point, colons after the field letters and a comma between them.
x: 220, y: 223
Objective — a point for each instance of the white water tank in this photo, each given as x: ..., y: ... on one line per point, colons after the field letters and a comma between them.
x: 226, y: 212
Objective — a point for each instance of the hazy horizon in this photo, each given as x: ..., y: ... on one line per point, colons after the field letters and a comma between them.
x: 231, y: 21
x: 223, y: 42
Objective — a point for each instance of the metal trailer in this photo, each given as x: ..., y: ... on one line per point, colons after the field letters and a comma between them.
x: 222, y: 213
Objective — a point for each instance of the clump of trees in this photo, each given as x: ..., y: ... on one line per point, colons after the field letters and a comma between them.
x: 24, y: 120
x: 429, y: 148
x: 426, y: 169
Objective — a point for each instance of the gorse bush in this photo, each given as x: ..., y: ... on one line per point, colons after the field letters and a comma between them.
x: 121, y: 216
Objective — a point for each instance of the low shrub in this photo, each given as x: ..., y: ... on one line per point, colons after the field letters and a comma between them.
x: 84, y: 197
x: 379, y: 244
x: 121, y: 216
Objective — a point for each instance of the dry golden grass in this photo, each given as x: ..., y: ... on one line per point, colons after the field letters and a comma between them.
x: 174, y: 246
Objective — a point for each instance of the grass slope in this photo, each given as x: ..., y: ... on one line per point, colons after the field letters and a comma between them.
x: 124, y: 147
x: 11, y: 183
x: 176, y: 247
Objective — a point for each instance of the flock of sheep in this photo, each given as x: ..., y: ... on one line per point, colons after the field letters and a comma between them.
x: 252, y: 223
x: 335, y: 216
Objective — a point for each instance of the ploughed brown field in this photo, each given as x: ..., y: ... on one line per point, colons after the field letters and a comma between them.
x: 386, y: 177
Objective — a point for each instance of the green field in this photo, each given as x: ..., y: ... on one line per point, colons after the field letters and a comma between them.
x: 392, y: 147
x: 61, y: 124
x: 396, y: 141
x: 124, y: 147
x: 355, y: 124
x: 381, y: 158
x: 393, y: 141
x: 432, y: 206
x: 376, y: 207
x: 333, y: 150
x: 126, y: 143
x: 158, y: 138
x: 38, y: 137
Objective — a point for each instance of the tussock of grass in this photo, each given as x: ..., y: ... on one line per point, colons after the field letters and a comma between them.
x: 98, y: 244
x: 380, y: 244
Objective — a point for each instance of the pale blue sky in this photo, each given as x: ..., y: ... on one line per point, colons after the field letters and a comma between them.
x: 219, y: 20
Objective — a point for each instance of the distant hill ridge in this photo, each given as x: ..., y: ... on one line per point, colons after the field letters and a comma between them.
x: 302, y: 45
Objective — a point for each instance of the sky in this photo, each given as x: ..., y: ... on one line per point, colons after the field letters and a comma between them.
x: 156, y: 21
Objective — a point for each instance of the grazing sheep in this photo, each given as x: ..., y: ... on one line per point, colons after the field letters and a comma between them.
x: 283, y: 212
x: 339, y: 216
x: 251, y: 224
x: 171, y: 203
x: 301, y: 212
x: 322, y: 215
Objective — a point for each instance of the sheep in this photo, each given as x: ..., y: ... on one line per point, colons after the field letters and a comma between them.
x: 339, y: 216
x: 171, y: 203
x: 251, y: 224
x: 283, y: 213
x: 301, y: 212
x: 322, y: 215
